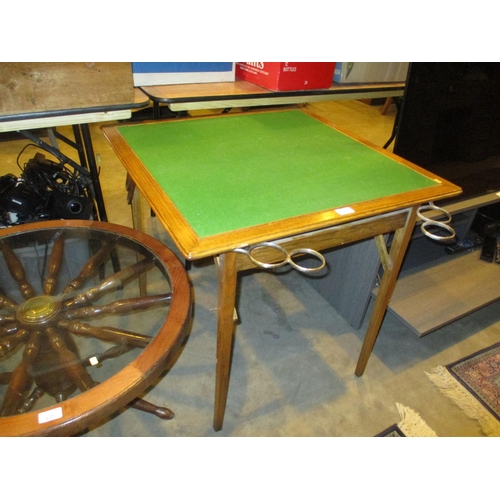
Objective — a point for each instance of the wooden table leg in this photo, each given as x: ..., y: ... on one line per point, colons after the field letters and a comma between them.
x: 228, y: 273
x: 134, y: 199
x: 388, y: 283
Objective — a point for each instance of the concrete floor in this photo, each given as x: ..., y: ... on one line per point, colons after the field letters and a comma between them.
x: 294, y: 355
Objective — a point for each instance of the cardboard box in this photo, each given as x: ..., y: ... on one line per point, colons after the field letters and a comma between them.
x: 283, y: 76
x: 370, y: 72
x: 32, y: 87
x: 168, y: 73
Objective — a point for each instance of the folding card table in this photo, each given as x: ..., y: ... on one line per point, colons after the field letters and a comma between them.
x: 259, y: 189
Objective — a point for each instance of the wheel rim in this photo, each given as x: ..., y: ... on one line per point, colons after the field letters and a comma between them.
x: 64, y: 323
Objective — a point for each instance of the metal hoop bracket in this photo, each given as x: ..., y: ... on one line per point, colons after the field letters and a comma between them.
x: 288, y: 257
x: 430, y: 223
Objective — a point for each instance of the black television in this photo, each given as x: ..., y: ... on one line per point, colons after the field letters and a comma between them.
x: 449, y: 123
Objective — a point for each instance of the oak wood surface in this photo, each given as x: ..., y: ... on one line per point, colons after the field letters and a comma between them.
x: 227, y: 274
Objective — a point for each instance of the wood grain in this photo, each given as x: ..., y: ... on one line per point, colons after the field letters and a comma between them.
x: 37, y: 87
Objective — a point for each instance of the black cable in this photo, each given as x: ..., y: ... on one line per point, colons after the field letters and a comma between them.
x: 67, y: 181
x: 49, y: 176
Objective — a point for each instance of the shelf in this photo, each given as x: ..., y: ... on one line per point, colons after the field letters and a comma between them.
x: 434, y: 288
x: 434, y: 294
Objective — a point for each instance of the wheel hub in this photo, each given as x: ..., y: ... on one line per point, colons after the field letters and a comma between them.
x: 38, y: 311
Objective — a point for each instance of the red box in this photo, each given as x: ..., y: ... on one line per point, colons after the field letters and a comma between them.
x: 284, y: 76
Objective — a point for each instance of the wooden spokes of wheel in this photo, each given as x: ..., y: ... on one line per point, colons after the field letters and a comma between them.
x: 90, y: 314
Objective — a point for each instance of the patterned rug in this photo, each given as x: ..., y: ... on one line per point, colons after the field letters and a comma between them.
x: 473, y: 383
x: 411, y: 425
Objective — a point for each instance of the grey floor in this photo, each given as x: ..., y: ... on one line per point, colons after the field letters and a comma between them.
x: 294, y: 355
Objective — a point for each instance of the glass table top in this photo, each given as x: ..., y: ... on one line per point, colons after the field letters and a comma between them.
x: 78, y: 304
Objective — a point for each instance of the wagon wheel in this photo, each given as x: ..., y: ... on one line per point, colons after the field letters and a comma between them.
x: 79, y: 337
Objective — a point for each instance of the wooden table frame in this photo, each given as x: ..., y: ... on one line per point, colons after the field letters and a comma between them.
x: 240, y: 93
x: 229, y: 264
x: 319, y: 231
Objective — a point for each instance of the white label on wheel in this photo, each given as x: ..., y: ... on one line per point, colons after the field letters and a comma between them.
x: 49, y: 415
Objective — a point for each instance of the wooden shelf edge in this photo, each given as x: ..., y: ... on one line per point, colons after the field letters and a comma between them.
x: 446, y: 291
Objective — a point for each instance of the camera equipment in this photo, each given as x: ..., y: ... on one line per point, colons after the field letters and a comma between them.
x: 45, y: 190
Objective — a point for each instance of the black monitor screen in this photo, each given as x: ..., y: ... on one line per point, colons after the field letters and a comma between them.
x: 449, y: 123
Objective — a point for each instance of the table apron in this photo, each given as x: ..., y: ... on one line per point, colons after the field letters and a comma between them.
x: 228, y: 102
x: 330, y: 237
x: 64, y: 120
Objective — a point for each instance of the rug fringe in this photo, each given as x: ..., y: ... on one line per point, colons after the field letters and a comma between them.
x: 412, y: 424
x: 465, y: 400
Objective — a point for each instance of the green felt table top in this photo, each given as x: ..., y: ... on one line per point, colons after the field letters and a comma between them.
x: 238, y: 171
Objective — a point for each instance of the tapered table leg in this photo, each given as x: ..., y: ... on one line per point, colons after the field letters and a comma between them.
x: 388, y: 283
x: 228, y: 273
